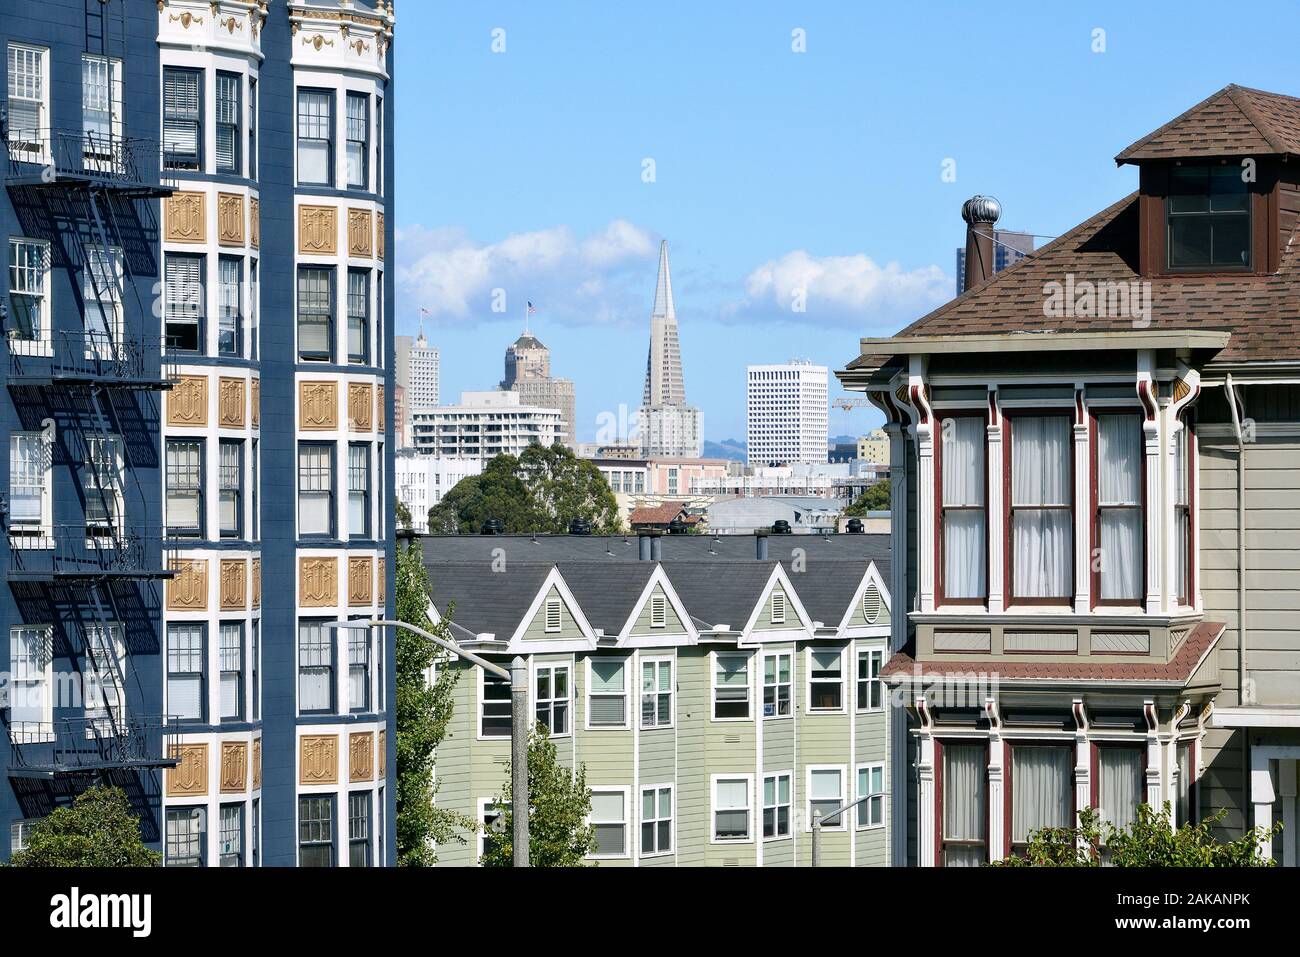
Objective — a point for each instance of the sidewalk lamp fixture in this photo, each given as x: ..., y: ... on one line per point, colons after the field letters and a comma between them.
x: 517, y: 675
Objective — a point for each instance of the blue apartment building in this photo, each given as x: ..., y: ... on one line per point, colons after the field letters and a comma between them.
x: 198, y: 402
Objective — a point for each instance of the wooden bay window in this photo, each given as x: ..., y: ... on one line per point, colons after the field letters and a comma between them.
x: 1119, y: 514
x: 962, y: 506
x: 1040, y: 508
x: 1040, y: 790
x: 961, y: 805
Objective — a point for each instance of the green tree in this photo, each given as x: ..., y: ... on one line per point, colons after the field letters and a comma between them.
x: 423, y: 712
x: 98, y: 830
x: 404, y: 520
x: 874, y: 499
x: 542, y: 490
x: 559, y: 803
x: 1150, y: 841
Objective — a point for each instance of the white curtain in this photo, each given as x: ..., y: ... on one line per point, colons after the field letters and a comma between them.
x: 1041, y: 789
x: 964, y: 774
x: 963, y: 500
x: 1119, y: 482
x: 1120, y: 788
x: 1041, y: 475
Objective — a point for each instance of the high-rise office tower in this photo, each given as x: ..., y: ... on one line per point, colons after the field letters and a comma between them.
x: 787, y: 413
x: 668, y: 426
x: 528, y: 372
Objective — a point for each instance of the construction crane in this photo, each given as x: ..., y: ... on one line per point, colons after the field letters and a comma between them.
x: 850, y: 402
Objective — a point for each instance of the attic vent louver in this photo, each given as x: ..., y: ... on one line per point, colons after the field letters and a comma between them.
x: 871, y: 603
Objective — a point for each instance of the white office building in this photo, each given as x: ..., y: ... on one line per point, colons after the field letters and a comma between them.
x: 418, y: 376
x: 484, y: 425
x: 788, y: 413
x: 421, y: 480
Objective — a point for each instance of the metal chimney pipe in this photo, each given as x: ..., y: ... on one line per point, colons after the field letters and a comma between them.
x: 656, y: 549
x: 643, y: 547
x: 981, y: 214
x: 760, y: 542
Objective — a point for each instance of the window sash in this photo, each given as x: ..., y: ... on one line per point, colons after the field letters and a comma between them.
x: 315, y: 490
x: 871, y: 691
x: 186, y: 844
x: 29, y: 470
x: 731, y: 687
x: 186, y: 666
x: 316, y: 312
x: 1042, y: 508
x: 776, y: 805
x: 228, y: 109
x: 315, y: 136
x: 494, y: 706
x: 656, y: 694
x: 731, y: 809
x: 315, y: 667
x: 656, y: 820
x: 185, y: 486
x: 358, y: 143
x: 182, y: 118
x: 963, y: 822
x: 552, y: 698
x: 777, y: 682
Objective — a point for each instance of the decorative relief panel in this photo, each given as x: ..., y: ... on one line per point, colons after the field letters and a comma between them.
x: 230, y: 402
x: 234, y: 767
x: 361, y: 575
x: 190, y: 776
x: 255, y: 403
x: 361, y: 232
x: 254, y: 222
x: 318, y: 406
x: 188, y: 591
x: 379, y: 408
x: 230, y: 219
x: 383, y: 753
x: 360, y: 405
x: 957, y: 641
x: 1050, y: 642
x: 234, y: 584
x: 380, y: 235
x: 318, y: 230
x: 318, y: 759
x: 361, y: 756
x: 257, y: 583
x: 187, y: 401
x: 185, y: 218
x: 318, y: 582
x: 257, y: 763
x: 381, y: 586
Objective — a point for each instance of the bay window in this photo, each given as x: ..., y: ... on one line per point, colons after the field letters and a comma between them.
x: 1042, y: 790
x: 315, y: 489
x: 187, y: 837
x: 1118, y: 529
x: 315, y: 137
x: 316, y: 830
x: 1041, y: 508
x: 358, y: 315
x: 963, y: 804
x: 358, y: 143
x: 962, y: 522
x: 231, y: 488
x: 1121, y: 783
x: 359, y: 829
x: 232, y: 835
x: 606, y: 693
x: 316, y: 313
x: 230, y: 318
x: 358, y: 669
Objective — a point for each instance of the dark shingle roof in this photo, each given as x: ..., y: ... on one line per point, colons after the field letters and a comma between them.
x: 1235, y: 121
x: 826, y: 587
x: 487, y: 601
x: 606, y: 591
x: 720, y: 593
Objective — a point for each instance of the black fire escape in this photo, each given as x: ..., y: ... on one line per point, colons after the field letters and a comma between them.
x: 89, y: 193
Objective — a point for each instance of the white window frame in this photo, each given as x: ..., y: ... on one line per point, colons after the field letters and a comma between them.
x: 114, y: 263
x: 534, y: 701
x: 714, y: 658
x: 480, y: 676
x: 877, y: 798
x: 480, y: 834
x: 556, y: 605
x: 43, y: 677
x: 112, y: 74
x: 788, y: 684
x: 878, y: 655
x: 808, y: 682
x: 26, y: 534
x: 776, y: 776
x: 658, y: 611
x: 592, y: 821
x: 714, y: 781
x: 655, y: 789
x: 588, y: 694
x: 42, y: 100
x: 117, y: 636
x: 779, y: 607
x: 41, y: 344
x: 658, y: 661
x: 808, y: 795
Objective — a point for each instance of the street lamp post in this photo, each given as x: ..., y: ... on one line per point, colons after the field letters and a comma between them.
x: 518, y: 678
x: 817, y: 826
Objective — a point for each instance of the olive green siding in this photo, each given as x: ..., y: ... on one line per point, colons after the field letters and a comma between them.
x: 673, y: 624
x: 536, y: 629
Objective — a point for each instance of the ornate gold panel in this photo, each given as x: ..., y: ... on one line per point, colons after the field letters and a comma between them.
x: 379, y: 408
x: 254, y: 222
x: 185, y: 218
x: 318, y: 582
x: 255, y: 391
x: 318, y: 406
x: 230, y: 219
x: 360, y: 406
x: 230, y: 402
x: 187, y: 401
x: 361, y: 756
x: 188, y: 591
x: 380, y: 235
x: 234, y: 767
x: 383, y: 754
x: 361, y: 233
x: 318, y: 230
x: 257, y: 763
x: 361, y: 576
x: 190, y: 776
x: 318, y: 759
x: 234, y: 584
x: 381, y: 586
x: 257, y: 583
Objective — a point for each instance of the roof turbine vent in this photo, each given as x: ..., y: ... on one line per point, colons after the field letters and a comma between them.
x: 981, y: 209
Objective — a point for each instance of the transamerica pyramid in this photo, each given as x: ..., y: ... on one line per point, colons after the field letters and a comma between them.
x: 663, y: 370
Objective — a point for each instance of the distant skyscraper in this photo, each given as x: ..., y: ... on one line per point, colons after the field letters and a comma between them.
x: 417, y: 375
x: 1008, y: 249
x: 787, y: 413
x: 528, y: 372
x: 669, y: 427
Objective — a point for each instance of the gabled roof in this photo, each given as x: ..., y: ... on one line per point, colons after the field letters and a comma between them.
x: 720, y: 593
x: 656, y: 514
x: 486, y: 601
x: 1236, y: 121
x: 827, y: 589
x: 607, y: 591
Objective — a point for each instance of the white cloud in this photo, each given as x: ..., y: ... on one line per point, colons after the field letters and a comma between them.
x: 605, y: 276
x: 839, y: 290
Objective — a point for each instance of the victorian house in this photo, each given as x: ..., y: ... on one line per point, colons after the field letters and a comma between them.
x: 1094, y: 458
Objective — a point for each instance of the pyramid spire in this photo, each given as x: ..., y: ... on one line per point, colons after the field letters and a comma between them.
x: 664, y: 288
x: 663, y: 376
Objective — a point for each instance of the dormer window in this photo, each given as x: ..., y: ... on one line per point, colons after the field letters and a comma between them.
x: 1208, y: 218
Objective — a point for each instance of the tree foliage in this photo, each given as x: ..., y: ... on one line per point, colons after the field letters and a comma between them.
x: 542, y: 490
x: 98, y: 830
x: 559, y: 803
x: 424, y: 710
x: 404, y: 521
x: 874, y: 499
x: 1150, y: 841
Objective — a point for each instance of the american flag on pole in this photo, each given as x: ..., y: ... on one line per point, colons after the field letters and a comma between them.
x: 531, y: 310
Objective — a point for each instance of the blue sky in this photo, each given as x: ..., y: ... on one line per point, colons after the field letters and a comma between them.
x: 773, y: 171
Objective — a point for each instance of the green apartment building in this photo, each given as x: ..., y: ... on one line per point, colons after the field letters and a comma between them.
x: 717, y: 696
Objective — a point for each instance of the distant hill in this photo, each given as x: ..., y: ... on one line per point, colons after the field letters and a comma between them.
x: 733, y: 449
